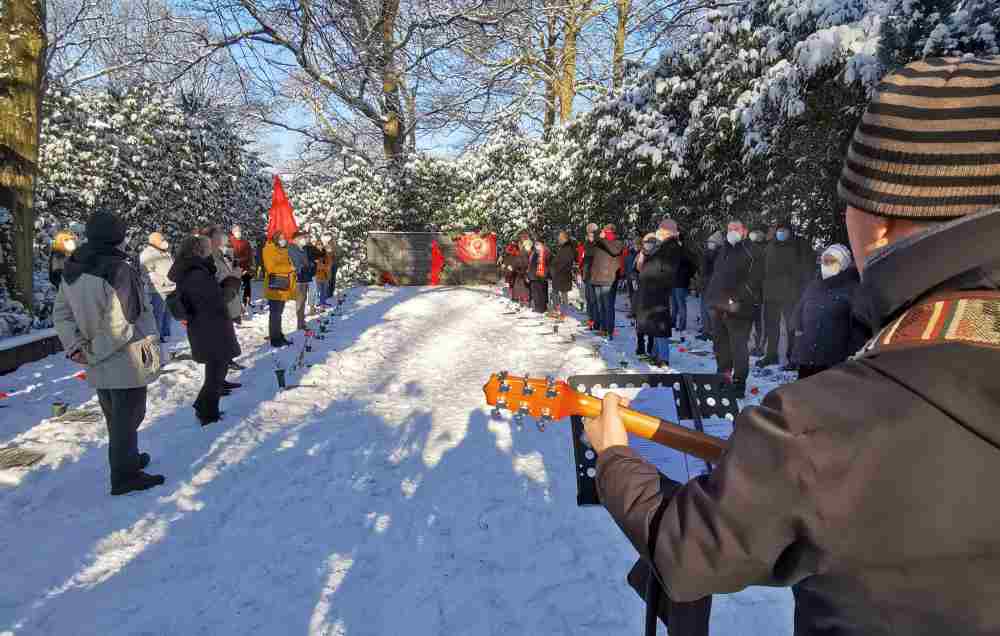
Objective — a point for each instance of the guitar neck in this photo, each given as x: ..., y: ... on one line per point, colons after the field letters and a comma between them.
x: 700, y: 445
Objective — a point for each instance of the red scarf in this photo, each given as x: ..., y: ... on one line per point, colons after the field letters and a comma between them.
x: 540, y: 270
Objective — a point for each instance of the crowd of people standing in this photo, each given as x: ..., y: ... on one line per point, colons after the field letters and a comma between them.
x: 113, y: 312
x: 759, y: 288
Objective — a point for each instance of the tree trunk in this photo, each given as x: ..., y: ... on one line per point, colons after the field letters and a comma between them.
x: 411, y: 118
x: 392, y: 119
x: 618, y: 55
x: 550, y: 71
x: 567, y: 86
x: 22, y: 30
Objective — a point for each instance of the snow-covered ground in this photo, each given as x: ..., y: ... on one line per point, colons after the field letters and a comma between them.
x: 378, y: 497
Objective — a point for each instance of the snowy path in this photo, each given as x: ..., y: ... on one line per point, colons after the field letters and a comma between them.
x: 378, y: 498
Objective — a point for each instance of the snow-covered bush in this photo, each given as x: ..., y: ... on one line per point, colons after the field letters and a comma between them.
x: 140, y: 155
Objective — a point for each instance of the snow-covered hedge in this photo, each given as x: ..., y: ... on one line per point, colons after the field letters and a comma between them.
x: 141, y: 155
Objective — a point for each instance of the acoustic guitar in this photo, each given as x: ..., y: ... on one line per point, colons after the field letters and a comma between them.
x: 549, y: 400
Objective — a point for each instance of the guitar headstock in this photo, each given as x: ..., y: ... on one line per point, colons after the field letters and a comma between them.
x: 543, y: 398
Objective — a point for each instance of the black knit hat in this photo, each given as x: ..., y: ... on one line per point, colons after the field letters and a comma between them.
x: 105, y: 227
x: 928, y: 145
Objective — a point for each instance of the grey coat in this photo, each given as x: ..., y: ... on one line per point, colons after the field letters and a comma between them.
x: 155, y: 264
x: 101, y: 311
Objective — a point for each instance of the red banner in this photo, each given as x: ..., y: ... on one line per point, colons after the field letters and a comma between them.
x: 437, y: 264
x: 281, y: 217
x: 473, y: 248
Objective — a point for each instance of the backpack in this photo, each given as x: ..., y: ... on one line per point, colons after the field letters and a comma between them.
x: 176, y: 307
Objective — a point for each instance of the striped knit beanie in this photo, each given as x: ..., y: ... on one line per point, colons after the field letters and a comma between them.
x: 928, y: 145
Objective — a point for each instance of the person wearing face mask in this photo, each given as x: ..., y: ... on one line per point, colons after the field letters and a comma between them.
x: 657, y: 265
x: 63, y: 245
x: 210, y: 326
x: 603, y: 275
x: 826, y: 332
x: 789, y: 266
x: 305, y: 271
x: 734, y: 290
x: 869, y: 488
x: 708, y: 257
x: 279, y: 285
x: 155, y: 262
x: 243, y: 257
x: 105, y: 322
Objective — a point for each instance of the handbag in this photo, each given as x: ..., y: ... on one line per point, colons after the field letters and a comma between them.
x: 278, y: 282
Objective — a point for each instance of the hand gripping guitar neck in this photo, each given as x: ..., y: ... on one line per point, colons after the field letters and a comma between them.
x: 550, y: 400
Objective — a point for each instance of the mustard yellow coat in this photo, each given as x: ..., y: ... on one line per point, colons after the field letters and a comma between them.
x: 276, y: 261
x: 323, y: 267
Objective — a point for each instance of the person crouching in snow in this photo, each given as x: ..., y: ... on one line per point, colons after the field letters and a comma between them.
x: 538, y: 277
x: 105, y: 322
x: 826, y: 332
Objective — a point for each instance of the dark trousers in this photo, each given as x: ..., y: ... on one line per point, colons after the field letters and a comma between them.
x: 207, y: 402
x: 591, y: 298
x: 247, y: 290
x: 758, y: 326
x: 807, y: 371
x: 679, y: 299
x: 613, y: 305
x: 301, y: 295
x: 124, y: 410
x: 706, y: 316
x: 774, y: 311
x: 604, y: 311
x: 276, y: 309
x: 732, y: 337
x: 539, y: 295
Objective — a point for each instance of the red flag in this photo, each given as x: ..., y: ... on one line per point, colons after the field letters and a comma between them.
x: 474, y: 248
x: 437, y: 264
x: 281, y: 217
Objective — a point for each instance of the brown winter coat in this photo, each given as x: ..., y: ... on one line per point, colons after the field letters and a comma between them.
x: 605, y: 263
x: 871, y: 487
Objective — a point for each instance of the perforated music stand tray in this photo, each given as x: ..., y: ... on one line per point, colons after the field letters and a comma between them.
x: 691, y: 393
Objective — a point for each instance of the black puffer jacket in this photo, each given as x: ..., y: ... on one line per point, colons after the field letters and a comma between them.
x: 686, y: 269
x: 656, y: 282
x: 826, y: 332
x: 789, y: 267
x: 738, y: 276
x: 210, y: 329
x: 561, y: 267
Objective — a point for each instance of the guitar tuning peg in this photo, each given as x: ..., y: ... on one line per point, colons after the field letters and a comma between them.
x: 545, y: 419
x: 527, y: 389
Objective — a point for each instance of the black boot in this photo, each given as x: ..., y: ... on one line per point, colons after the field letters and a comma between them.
x: 144, y: 460
x: 236, y: 366
x: 210, y: 419
x: 226, y: 384
x: 139, y: 481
